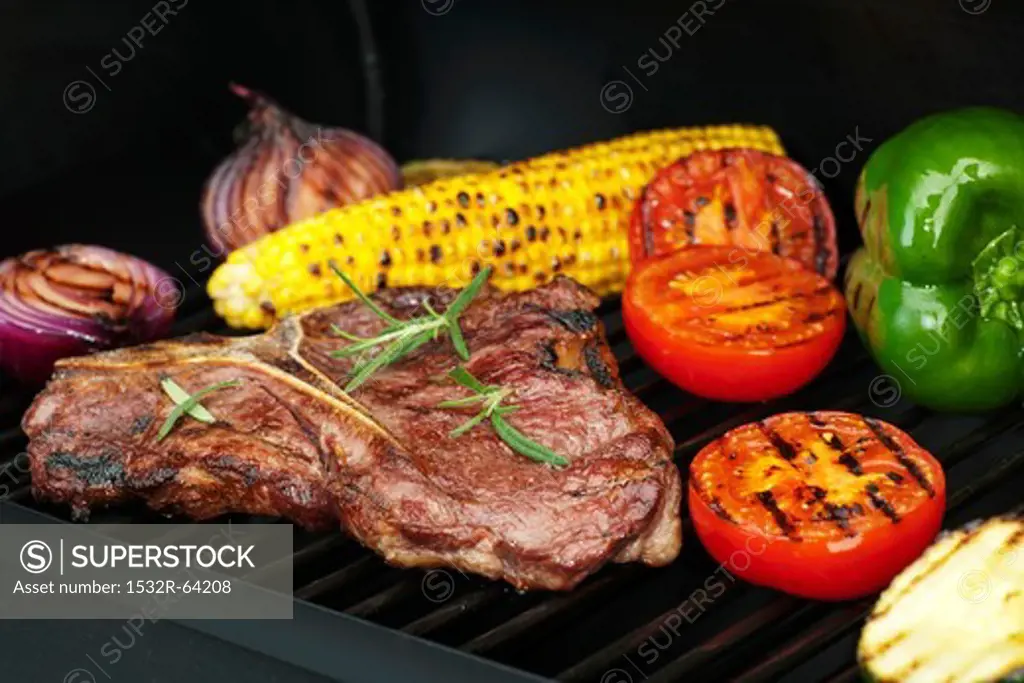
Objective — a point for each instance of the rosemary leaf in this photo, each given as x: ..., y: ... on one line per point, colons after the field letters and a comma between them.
x: 397, y: 350
x: 362, y: 371
x: 345, y: 335
x: 518, y: 442
x: 189, y: 404
x: 349, y: 351
x: 366, y: 344
x: 492, y: 396
x: 463, y: 402
x: 469, y: 424
x: 458, y: 341
x: 404, y: 336
x: 463, y: 377
x: 179, y: 396
x: 381, y: 313
x: 466, y: 295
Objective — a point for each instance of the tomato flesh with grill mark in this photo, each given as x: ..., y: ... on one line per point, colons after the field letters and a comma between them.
x: 743, y: 197
x: 824, y: 505
x: 733, y: 325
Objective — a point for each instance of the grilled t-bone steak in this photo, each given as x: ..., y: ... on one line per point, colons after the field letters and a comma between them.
x: 288, y: 441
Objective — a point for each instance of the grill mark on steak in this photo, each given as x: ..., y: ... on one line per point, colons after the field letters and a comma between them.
x: 599, y: 370
x: 103, y: 470
x: 548, y: 356
x: 289, y: 442
x: 140, y: 424
x: 569, y: 360
x: 250, y: 473
x: 577, y: 320
x: 151, y: 479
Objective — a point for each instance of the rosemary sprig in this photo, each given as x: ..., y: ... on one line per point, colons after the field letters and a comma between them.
x: 188, y: 404
x: 402, y: 337
x: 490, y: 397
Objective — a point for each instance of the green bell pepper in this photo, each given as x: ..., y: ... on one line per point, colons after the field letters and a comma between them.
x: 936, y: 292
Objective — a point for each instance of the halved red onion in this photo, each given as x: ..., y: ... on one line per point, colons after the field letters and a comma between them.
x: 75, y: 299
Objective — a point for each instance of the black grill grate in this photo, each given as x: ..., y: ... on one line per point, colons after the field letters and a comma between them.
x: 625, y: 623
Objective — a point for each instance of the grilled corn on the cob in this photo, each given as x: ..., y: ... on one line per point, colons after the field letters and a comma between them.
x: 565, y: 212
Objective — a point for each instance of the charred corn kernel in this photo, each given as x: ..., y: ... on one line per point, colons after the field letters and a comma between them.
x: 561, y: 213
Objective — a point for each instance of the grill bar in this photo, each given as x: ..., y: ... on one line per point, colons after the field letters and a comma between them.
x: 554, y: 609
x: 19, y: 494
x: 9, y: 438
x: 826, y: 631
x: 317, y: 548
x: 762, y: 623
x: 384, y: 598
x: 849, y: 675
x: 462, y: 607
x: 349, y: 573
x: 1000, y: 473
x: 603, y: 659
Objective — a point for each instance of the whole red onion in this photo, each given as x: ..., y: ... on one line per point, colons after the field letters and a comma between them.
x: 286, y: 169
x: 74, y: 299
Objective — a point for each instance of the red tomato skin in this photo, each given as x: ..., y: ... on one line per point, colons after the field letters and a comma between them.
x: 835, y: 571
x: 730, y: 374
x: 818, y: 201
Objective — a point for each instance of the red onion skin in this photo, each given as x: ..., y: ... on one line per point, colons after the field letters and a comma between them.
x: 32, y: 339
x: 286, y: 170
x: 32, y: 368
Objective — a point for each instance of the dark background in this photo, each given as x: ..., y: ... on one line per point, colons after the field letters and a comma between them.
x: 489, y: 79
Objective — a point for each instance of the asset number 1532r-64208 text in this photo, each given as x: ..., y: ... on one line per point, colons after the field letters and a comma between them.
x: 164, y: 586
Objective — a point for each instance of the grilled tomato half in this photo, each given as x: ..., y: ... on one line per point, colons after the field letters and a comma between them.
x: 743, y: 197
x: 731, y: 324
x: 824, y: 505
